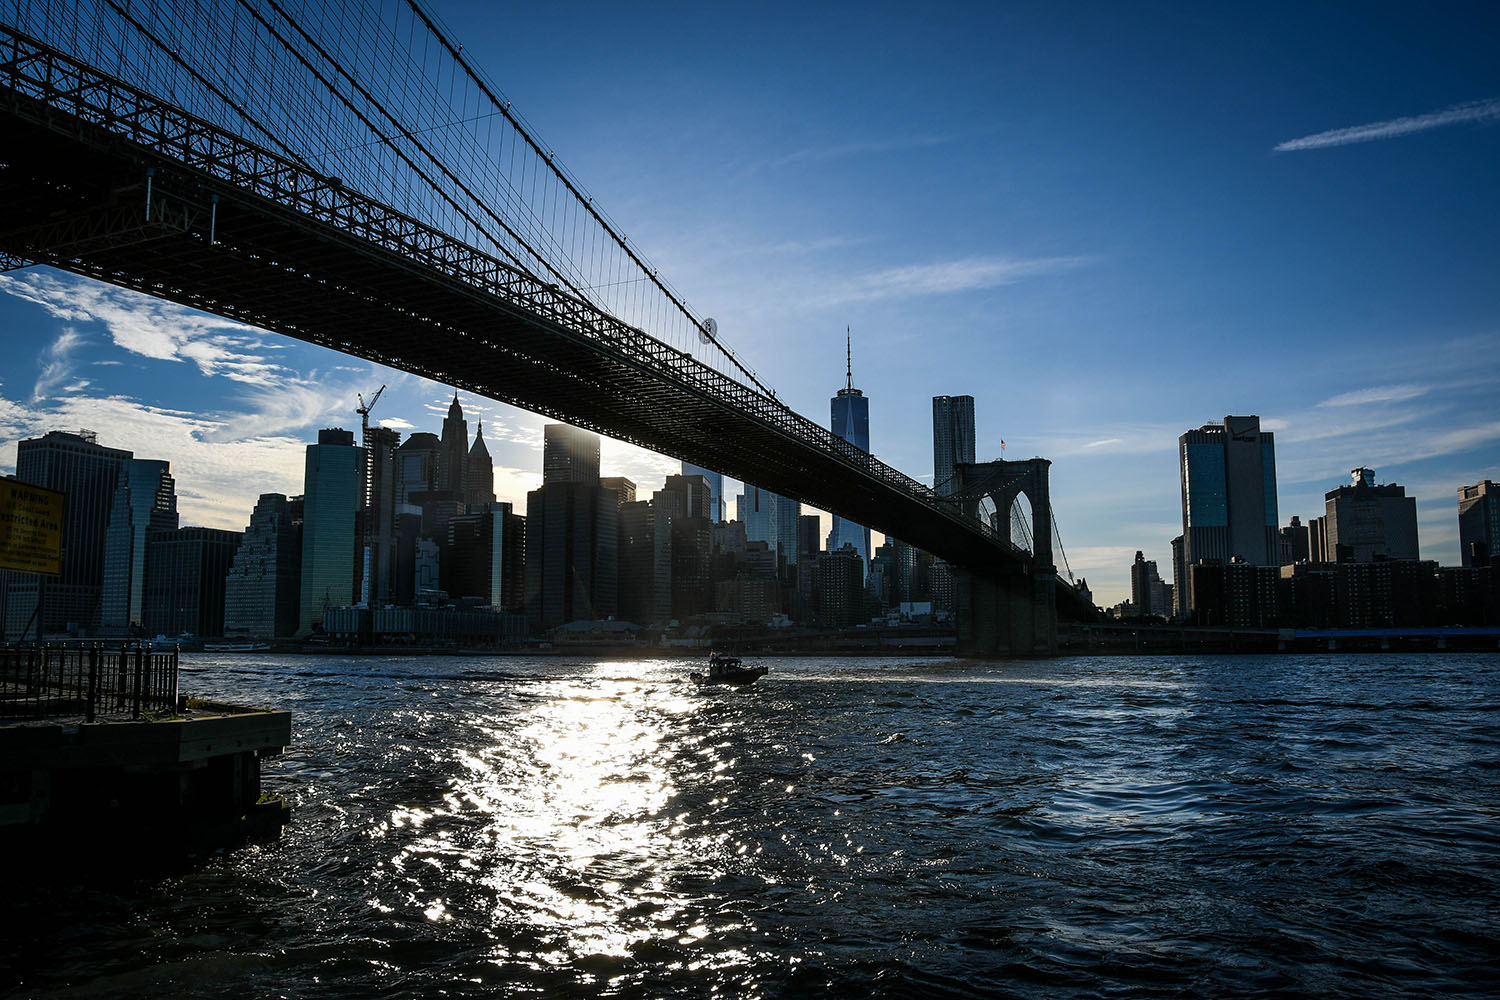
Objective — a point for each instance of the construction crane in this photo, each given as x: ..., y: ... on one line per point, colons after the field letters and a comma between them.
x: 363, y: 409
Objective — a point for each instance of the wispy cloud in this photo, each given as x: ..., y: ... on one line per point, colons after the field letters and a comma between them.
x: 56, y: 364
x: 821, y: 154
x: 946, y: 277
x: 1458, y: 114
x: 1377, y: 394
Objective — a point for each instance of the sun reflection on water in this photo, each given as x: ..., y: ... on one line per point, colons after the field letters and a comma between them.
x: 561, y: 818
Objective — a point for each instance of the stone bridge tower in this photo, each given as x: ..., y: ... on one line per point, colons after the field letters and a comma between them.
x: 1008, y: 610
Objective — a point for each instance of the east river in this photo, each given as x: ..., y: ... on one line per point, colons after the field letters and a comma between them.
x: 1115, y: 827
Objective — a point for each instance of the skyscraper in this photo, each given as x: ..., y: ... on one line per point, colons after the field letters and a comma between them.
x: 261, y: 593
x: 378, y: 518
x: 717, y: 500
x: 145, y: 501
x: 850, y: 420
x: 952, y: 438
x: 417, y: 463
x: 569, y: 455
x: 1364, y: 521
x: 330, y: 508
x: 453, y: 459
x: 1228, y: 495
x: 572, y: 523
x: 479, y: 475
x: 186, y: 570
x: 1478, y: 523
x: 87, y: 473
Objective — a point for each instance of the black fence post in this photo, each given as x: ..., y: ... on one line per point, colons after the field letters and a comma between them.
x: 93, y: 695
x: 139, y: 667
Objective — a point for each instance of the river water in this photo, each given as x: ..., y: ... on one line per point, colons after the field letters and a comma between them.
x: 1114, y: 827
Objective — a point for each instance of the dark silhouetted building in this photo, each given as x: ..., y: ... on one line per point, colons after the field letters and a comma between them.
x: 569, y: 455
x: 377, y: 524
x: 87, y: 474
x: 572, y: 524
x: 1148, y: 593
x: 453, y: 459
x: 186, y: 572
x: 487, y: 556
x: 1294, y: 542
x: 952, y: 438
x: 1229, y: 495
x: 479, y: 472
x: 717, y: 502
x: 145, y: 501
x: 331, y: 504
x: 264, y: 583
x: 1478, y: 523
x: 1364, y: 522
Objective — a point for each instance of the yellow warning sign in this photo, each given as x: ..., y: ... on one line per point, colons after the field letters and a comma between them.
x: 30, y: 528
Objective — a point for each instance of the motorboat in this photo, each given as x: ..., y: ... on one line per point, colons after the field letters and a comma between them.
x: 724, y: 669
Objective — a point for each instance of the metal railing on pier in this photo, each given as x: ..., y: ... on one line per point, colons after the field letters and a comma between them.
x: 49, y: 680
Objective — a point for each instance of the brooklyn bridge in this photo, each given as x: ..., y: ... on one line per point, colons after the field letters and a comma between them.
x: 342, y: 174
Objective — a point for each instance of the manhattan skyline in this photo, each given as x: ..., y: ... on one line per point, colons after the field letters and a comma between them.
x: 1108, y: 228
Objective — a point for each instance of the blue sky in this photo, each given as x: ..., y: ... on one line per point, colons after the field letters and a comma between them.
x: 1107, y: 223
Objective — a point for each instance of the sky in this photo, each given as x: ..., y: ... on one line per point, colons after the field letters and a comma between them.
x: 1108, y: 223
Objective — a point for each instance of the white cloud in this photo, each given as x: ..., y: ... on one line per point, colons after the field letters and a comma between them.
x: 1473, y: 111
x: 1377, y: 394
x: 56, y: 363
x: 397, y: 424
x: 152, y: 328
x: 945, y: 277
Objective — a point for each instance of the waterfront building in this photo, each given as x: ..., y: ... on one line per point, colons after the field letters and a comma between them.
x: 696, y: 492
x: 1478, y: 523
x: 1364, y: 522
x: 332, y: 500
x: 838, y: 588
x: 717, y: 502
x: 572, y: 525
x: 87, y: 474
x: 636, y: 537
x: 145, y: 500
x: 1179, y: 580
x: 1228, y: 495
x: 261, y: 592
x: 952, y: 438
x: 849, y: 413
x: 487, y: 556
x: 186, y: 571
x: 479, y: 472
x: 1149, y: 594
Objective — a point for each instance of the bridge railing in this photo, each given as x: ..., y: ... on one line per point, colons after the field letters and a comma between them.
x: 42, y: 81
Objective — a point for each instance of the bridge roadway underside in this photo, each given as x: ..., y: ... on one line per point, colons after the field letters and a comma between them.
x: 74, y: 196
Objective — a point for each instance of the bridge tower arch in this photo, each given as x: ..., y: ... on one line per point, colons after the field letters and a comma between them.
x: 1007, y: 610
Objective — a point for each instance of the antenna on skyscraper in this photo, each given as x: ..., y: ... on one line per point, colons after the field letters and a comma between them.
x: 848, y: 358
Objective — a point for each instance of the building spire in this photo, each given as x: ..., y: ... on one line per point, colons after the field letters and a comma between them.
x: 848, y: 358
